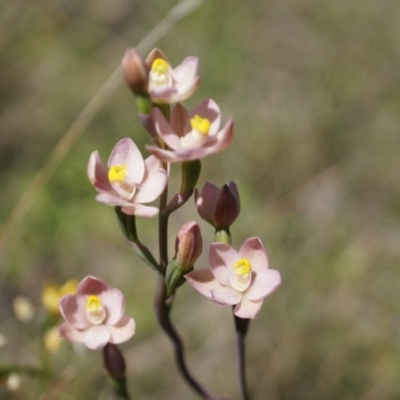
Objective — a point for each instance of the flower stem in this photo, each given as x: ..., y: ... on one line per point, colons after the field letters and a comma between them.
x: 163, y: 302
x: 241, y: 327
x: 162, y: 310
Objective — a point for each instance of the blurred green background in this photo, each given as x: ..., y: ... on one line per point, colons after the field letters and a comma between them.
x: 314, y: 89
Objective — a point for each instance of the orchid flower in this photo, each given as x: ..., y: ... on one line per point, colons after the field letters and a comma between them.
x: 191, y: 136
x: 239, y: 278
x: 129, y: 180
x: 170, y: 85
x: 95, y: 315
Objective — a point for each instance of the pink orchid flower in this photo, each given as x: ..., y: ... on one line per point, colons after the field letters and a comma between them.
x: 95, y: 315
x: 129, y: 180
x: 240, y: 278
x: 170, y: 85
x: 191, y: 136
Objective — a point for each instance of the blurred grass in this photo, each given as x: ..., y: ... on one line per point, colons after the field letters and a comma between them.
x: 314, y: 91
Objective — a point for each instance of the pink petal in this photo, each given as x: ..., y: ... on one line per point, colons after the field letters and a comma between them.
x: 112, y: 200
x: 127, y: 153
x: 186, y: 71
x: 265, y: 282
x: 152, y: 164
x: 205, y: 200
x: 122, y: 331
x: 203, y: 281
x: 254, y: 251
x: 223, y: 138
x: 164, y: 129
x: 247, y: 308
x: 97, y: 336
x: 114, y: 303
x: 222, y: 257
x: 152, y: 187
x: 206, y: 109
x: 140, y: 210
x: 226, y: 295
x: 178, y: 118
x: 97, y: 173
x: 183, y: 90
x: 73, y: 310
x: 68, y: 332
x: 91, y: 285
x: 161, y: 154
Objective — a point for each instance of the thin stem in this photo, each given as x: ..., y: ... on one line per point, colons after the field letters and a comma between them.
x: 163, y: 303
x: 241, y: 327
x: 162, y: 310
x: 163, y: 230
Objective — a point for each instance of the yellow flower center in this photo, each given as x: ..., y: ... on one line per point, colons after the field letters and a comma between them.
x: 242, y: 267
x: 201, y: 125
x: 117, y: 173
x: 241, y: 279
x: 95, y: 311
x: 160, y: 72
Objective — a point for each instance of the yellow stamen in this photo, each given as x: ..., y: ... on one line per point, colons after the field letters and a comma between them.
x: 117, y: 173
x: 242, y: 267
x: 160, y: 73
x: 201, y: 125
x: 94, y: 310
x: 160, y: 66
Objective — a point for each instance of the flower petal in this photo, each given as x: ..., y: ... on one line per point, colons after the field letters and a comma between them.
x: 223, y: 138
x: 122, y: 331
x: 140, y: 210
x: 97, y: 173
x: 265, y: 282
x: 186, y: 71
x: 114, y: 303
x: 97, y: 336
x: 127, y: 153
x: 205, y: 200
x: 226, y: 295
x: 178, y: 118
x: 152, y: 164
x: 68, y: 332
x: 152, y: 187
x: 165, y: 130
x: 203, y: 281
x: 73, y: 310
x: 247, y: 308
x: 254, y: 251
x: 112, y: 200
x: 161, y: 154
x: 222, y: 257
x: 183, y: 90
x: 91, y: 285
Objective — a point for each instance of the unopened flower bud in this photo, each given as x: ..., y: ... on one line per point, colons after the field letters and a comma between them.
x: 136, y: 72
x: 218, y: 206
x: 114, y: 361
x: 188, y: 245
